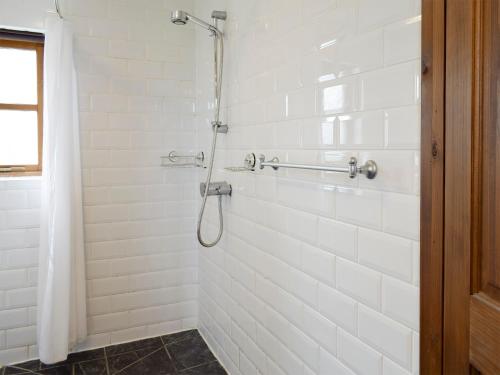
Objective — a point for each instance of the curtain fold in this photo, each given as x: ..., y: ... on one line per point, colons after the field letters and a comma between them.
x: 61, y: 316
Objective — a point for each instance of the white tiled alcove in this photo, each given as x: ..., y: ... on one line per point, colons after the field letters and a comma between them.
x: 316, y: 273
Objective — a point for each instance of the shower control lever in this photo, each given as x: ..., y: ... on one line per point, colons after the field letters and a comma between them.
x: 216, y: 188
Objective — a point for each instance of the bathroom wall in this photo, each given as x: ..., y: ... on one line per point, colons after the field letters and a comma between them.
x: 136, y: 74
x: 316, y: 273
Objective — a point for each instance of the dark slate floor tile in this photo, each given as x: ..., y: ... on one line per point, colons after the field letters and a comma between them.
x: 212, y: 368
x: 87, y: 355
x: 14, y: 371
x: 157, y: 363
x: 190, y: 352
x: 153, y: 343
x: 119, y: 362
x: 43, y: 366
x: 30, y: 365
x: 95, y: 367
x: 170, y: 339
x: 59, y: 370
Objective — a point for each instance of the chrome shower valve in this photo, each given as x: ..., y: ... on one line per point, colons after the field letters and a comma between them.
x: 216, y: 188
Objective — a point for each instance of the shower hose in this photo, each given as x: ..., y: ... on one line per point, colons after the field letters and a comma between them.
x: 218, y: 68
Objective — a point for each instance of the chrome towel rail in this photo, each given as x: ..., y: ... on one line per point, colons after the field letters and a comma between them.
x: 369, y: 169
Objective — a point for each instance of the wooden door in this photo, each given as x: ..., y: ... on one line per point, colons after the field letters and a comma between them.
x: 460, y: 221
x: 485, y: 252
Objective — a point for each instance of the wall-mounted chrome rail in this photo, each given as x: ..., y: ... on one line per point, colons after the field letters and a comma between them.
x: 369, y: 169
x: 178, y: 160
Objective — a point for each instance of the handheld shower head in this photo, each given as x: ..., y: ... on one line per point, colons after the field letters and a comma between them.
x: 179, y: 17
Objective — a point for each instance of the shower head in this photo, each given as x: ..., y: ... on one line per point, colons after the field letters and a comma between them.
x: 179, y: 17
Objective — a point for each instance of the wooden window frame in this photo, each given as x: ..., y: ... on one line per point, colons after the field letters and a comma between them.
x: 34, y: 42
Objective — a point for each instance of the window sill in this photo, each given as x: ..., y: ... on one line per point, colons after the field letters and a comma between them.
x: 20, y: 177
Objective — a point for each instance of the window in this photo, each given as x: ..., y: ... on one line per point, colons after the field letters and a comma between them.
x: 21, y: 103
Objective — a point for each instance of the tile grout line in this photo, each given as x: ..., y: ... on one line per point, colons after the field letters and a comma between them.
x: 140, y: 359
x: 201, y: 364
x: 168, y: 354
x: 106, y: 360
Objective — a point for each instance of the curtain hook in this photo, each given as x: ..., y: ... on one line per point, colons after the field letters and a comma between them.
x: 58, y: 9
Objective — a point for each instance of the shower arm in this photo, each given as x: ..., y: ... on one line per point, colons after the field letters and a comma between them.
x: 203, y: 24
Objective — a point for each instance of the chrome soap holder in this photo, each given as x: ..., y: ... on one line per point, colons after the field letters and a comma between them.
x: 248, y: 164
x: 178, y: 160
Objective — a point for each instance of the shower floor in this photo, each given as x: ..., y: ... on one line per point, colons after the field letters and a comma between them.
x: 183, y: 353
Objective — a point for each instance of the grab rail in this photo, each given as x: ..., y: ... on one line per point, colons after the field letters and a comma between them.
x: 369, y: 169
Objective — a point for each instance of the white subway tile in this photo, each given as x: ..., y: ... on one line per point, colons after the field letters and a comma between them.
x: 373, y: 15
x: 15, y: 355
x: 359, y: 206
x: 391, y: 368
x: 393, y: 339
x: 331, y: 365
x: 126, y: 49
x: 13, y: 318
x: 13, y: 199
x: 397, y: 171
x: 318, y: 264
x: 337, y: 307
x: 20, y: 297
x: 12, y: 279
x: 358, y: 356
x: 338, y: 96
x: 320, y: 329
x: 391, y: 87
x: 402, y: 127
x: 386, y: 253
x: 359, y: 282
x: 402, y: 41
x: 361, y: 130
x: 400, y: 301
x: 400, y: 215
x: 17, y: 337
x: 338, y: 238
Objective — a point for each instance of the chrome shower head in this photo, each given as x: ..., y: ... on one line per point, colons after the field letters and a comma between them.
x: 179, y: 17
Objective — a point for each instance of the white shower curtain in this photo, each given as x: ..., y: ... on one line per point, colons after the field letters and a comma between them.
x: 62, y: 314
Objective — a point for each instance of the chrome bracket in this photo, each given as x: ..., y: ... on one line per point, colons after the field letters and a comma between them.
x: 221, y: 129
x: 369, y: 169
x: 219, y: 15
x: 250, y: 161
x: 262, y: 159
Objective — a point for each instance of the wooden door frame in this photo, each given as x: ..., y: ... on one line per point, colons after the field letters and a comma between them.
x: 451, y: 40
x: 432, y: 186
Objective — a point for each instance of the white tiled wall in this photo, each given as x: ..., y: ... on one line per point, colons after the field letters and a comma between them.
x: 316, y: 273
x: 136, y: 82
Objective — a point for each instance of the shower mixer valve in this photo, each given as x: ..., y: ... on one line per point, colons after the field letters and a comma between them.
x: 216, y: 188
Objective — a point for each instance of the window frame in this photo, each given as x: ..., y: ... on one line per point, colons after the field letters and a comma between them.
x: 34, y: 42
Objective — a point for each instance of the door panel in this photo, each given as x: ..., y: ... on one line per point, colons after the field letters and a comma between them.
x: 485, y: 334
x: 485, y: 298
